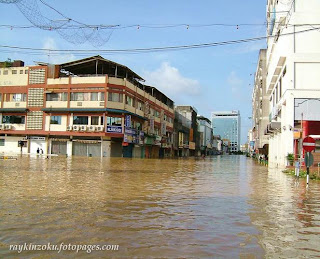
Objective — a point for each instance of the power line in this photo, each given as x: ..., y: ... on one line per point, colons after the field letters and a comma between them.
x: 156, y: 49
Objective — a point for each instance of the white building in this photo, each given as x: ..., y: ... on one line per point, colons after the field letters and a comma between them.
x: 260, y: 107
x: 293, y: 76
x: 227, y: 125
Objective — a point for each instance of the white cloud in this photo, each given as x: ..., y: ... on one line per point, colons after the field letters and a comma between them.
x: 169, y: 80
x: 52, y: 57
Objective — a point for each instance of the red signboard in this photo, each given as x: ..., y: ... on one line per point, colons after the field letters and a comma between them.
x: 309, y: 144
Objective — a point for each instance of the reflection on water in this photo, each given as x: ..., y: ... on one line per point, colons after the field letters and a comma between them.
x: 217, y: 207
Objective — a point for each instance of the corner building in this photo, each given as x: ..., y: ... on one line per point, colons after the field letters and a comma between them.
x: 292, y: 81
x: 87, y: 107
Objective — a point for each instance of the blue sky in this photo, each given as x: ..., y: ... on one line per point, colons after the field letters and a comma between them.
x: 210, y: 79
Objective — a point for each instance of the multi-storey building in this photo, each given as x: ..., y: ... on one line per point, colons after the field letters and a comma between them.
x: 227, y: 125
x: 181, y: 131
x: 293, y: 65
x: 206, y: 135
x: 190, y: 113
x: 89, y: 107
x: 260, y: 107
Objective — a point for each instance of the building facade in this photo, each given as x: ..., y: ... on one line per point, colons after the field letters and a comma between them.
x: 190, y: 113
x: 87, y: 107
x: 260, y: 107
x: 206, y: 135
x: 293, y: 65
x: 227, y: 125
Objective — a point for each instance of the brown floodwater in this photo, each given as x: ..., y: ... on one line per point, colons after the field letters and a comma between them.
x: 224, y: 206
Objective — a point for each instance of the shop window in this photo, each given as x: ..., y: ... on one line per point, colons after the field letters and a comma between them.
x: 2, y: 142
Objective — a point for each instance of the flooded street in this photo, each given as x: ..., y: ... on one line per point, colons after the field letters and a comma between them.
x: 189, y: 208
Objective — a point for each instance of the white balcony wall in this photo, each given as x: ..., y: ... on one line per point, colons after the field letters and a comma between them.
x: 14, y: 104
x: 56, y: 104
x: 58, y: 81
x: 115, y: 105
x: 56, y: 127
x: 88, y: 80
x: 87, y: 104
x: 116, y: 81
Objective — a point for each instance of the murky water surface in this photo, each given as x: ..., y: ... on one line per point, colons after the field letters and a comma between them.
x: 218, y: 207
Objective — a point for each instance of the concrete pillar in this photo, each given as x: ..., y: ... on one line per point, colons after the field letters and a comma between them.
x: 69, y: 148
x: 106, y: 148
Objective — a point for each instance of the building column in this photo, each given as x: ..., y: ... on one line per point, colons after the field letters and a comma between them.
x: 106, y: 148
x: 69, y: 148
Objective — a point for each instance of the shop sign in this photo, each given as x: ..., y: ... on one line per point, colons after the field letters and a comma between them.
x: 37, y: 138
x: 127, y: 121
x: 114, y: 129
x: 163, y: 128
x: 151, y: 126
x: 130, y: 131
x: 141, y: 137
x: 192, y: 145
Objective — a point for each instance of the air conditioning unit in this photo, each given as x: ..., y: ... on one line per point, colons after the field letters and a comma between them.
x: 69, y: 128
x: 91, y: 128
x: 99, y: 128
x: 17, y: 104
x: 75, y: 127
x: 7, y: 126
x: 101, y: 103
x: 83, y: 128
x: 79, y: 103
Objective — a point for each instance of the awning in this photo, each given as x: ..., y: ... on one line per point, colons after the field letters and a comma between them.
x: 18, y: 110
x: 59, y: 110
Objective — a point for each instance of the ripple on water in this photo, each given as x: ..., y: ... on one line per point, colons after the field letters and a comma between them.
x: 216, y: 207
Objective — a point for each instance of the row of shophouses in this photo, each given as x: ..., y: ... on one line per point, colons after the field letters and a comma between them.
x: 94, y: 107
x: 286, y: 94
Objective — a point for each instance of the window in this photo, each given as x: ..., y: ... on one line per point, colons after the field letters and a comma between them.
x: 79, y: 97
x: 26, y: 71
x: 94, y: 97
x: 5, y: 72
x: 14, y: 72
x: 57, y: 97
x: 156, y: 113
x: 95, y: 120
x: 21, y: 72
x: 115, y: 97
x: 99, y: 96
x: 2, y: 142
x: 55, y: 120
x: 12, y: 119
x: 16, y: 97
x: 80, y: 120
x: 140, y: 106
x: 114, y: 121
x: 130, y: 101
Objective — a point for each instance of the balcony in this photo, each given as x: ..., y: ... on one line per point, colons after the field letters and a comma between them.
x: 272, y: 128
x: 86, y: 104
x: 14, y: 105
x: 56, y: 104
